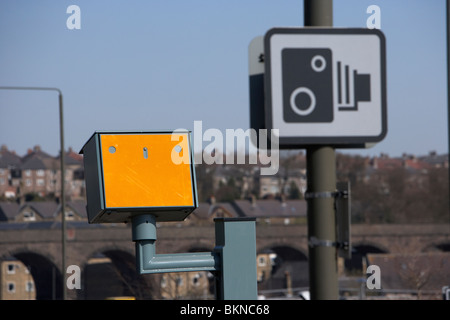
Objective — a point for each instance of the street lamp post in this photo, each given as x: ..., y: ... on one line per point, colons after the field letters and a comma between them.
x: 63, y: 201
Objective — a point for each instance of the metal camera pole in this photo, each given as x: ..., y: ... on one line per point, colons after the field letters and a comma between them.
x: 321, y: 180
x: 63, y: 204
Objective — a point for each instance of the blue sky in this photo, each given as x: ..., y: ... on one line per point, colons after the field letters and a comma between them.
x: 151, y: 65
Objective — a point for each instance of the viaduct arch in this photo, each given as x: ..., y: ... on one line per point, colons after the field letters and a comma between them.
x: 40, y: 249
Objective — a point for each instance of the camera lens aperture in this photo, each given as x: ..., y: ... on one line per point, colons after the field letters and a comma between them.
x: 318, y: 63
x: 303, y: 101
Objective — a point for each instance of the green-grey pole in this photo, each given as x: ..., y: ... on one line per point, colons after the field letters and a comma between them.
x: 321, y: 186
x: 63, y: 206
x: 236, y: 247
x: 63, y: 195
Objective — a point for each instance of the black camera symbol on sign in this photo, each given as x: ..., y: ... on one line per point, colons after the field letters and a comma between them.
x: 308, y: 85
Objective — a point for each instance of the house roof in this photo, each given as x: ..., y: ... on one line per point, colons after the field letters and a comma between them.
x: 46, y: 209
x: 73, y: 158
x: 270, y: 208
x: 435, y: 159
x: 206, y: 209
x: 37, y: 159
x: 8, y: 159
x: 387, y: 163
x: 78, y: 206
x: 257, y: 208
x: 8, y: 210
x: 416, y: 164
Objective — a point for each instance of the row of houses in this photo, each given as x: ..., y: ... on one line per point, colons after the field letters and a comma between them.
x: 38, y: 174
x: 40, y: 211
x: 291, y: 178
x: 278, y: 211
x: 410, y: 162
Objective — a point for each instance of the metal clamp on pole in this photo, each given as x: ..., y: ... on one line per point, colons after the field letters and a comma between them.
x: 326, y: 194
x: 343, y: 216
x: 320, y: 195
x: 314, y: 242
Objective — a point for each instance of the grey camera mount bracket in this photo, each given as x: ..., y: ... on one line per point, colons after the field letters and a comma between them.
x: 233, y: 260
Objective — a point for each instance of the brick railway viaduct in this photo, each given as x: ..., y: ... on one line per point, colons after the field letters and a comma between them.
x: 39, y: 245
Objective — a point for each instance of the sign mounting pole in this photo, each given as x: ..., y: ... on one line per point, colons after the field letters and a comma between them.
x: 324, y: 88
x: 321, y: 187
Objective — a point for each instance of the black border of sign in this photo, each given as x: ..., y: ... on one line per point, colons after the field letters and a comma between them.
x: 336, y: 141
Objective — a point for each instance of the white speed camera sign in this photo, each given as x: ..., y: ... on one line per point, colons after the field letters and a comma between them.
x: 325, y: 86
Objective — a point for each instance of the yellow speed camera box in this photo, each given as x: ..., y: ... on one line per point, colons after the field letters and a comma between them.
x: 129, y: 173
